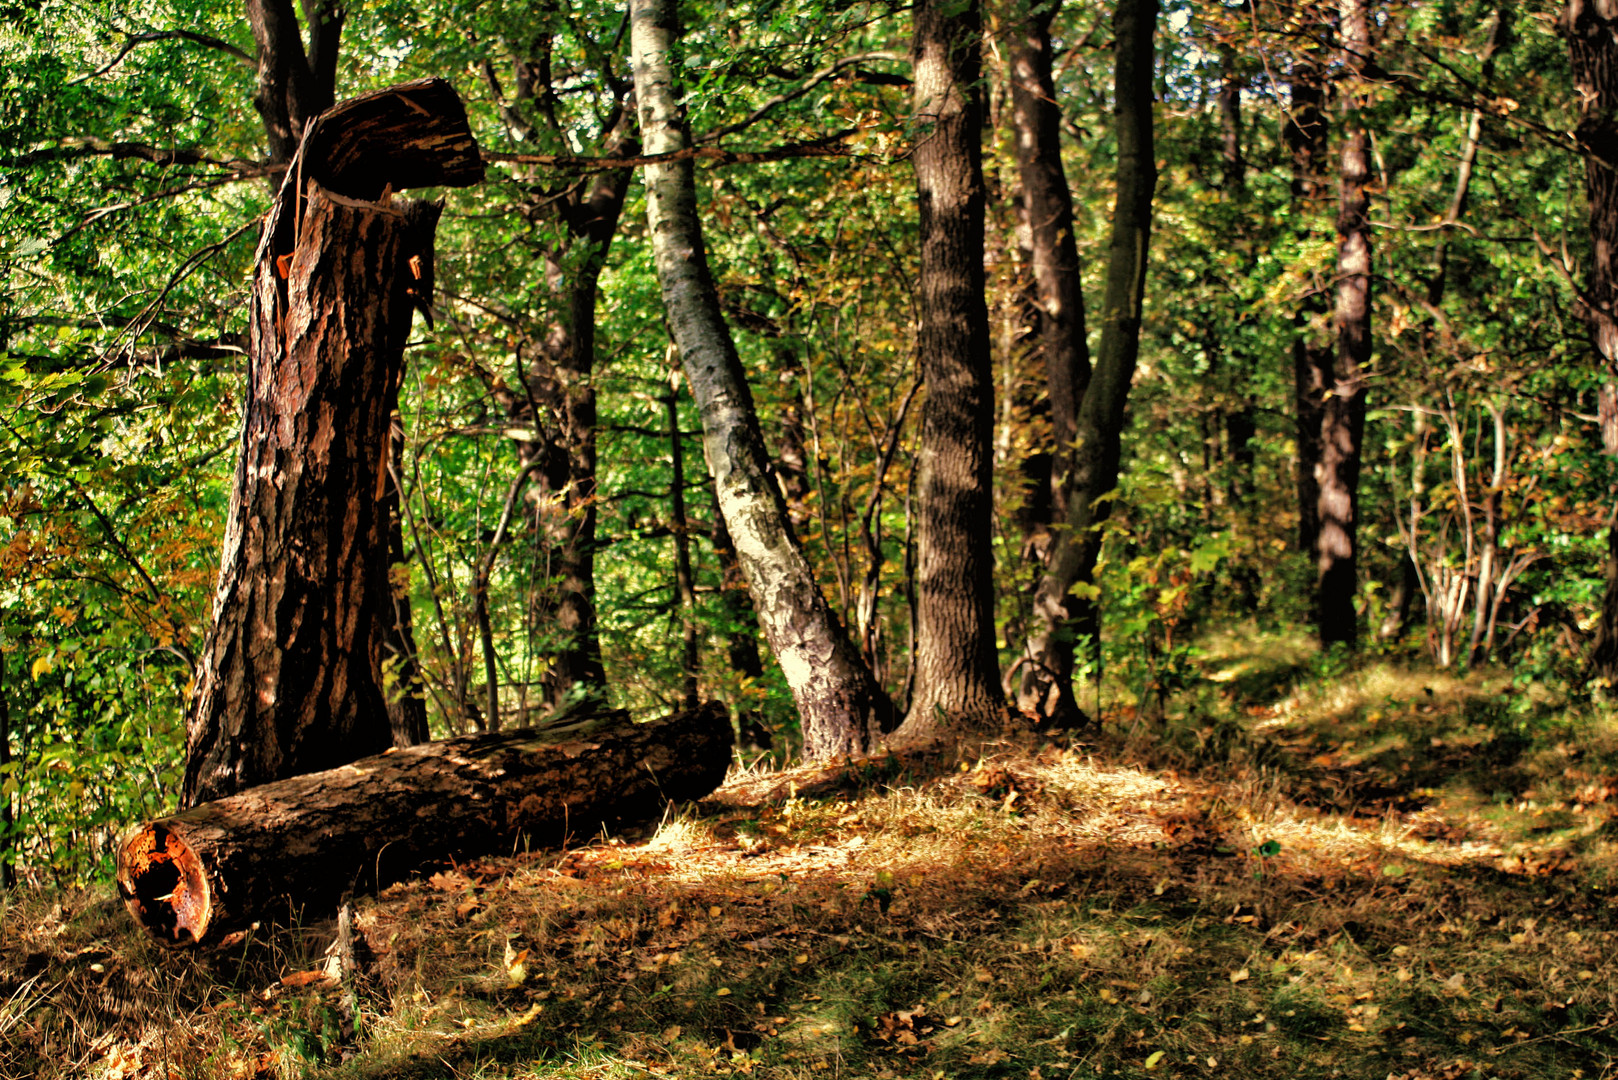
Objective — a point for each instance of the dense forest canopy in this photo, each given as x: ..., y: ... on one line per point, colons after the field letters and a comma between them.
x: 560, y: 537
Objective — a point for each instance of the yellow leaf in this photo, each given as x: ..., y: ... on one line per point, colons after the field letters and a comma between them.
x: 1154, y: 1058
x: 723, y: 991
x: 1239, y: 976
x: 42, y: 666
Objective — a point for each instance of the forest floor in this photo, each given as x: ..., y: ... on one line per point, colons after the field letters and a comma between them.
x: 1379, y: 873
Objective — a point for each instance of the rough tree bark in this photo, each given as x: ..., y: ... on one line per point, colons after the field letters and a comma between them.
x: 1059, y: 332
x: 1342, y: 423
x: 1591, y: 29
x: 842, y: 707
x: 296, y: 83
x: 310, y: 841
x: 1062, y: 615
x: 290, y: 675
x: 1305, y: 136
x: 957, y: 685
x: 685, y: 590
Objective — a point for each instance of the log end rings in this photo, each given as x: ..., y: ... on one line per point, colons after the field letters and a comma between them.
x: 164, y: 885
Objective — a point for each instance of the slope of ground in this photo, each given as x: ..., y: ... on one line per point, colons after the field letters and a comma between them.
x: 1375, y: 874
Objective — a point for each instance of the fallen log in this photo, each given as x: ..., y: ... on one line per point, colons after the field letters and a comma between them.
x: 310, y: 841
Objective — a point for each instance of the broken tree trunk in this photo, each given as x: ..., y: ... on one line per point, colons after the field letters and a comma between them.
x: 290, y: 679
x: 308, y: 842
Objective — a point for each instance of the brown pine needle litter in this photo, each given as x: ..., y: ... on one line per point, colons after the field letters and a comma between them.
x: 1371, y: 881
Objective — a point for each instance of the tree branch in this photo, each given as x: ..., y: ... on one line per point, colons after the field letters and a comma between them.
x: 132, y: 41
x: 83, y: 146
x: 833, y: 145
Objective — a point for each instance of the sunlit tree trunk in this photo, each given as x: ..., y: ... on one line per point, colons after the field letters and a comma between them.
x: 290, y: 675
x: 8, y: 872
x: 1064, y: 609
x: 957, y: 684
x: 1342, y: 425
x: 842, y: 707
x: 1591, y: 29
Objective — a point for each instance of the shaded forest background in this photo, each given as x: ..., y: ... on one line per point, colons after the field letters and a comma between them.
x: 141, y: 148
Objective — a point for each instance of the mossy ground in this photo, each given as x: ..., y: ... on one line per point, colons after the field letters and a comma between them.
x: 1377, y: 872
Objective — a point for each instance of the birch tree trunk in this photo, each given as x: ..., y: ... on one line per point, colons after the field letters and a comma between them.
x: 957, y: 685
x: 842, y: 707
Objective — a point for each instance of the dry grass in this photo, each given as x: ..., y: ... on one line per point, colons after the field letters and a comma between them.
x: 1345, y: 877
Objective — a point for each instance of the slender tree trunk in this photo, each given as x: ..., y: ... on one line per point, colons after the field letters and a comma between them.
x: 1342, y: 426
x: 295, y: 83
x: 8, y: 871
x: 1058, y: 300
x: 841, y: 705
x: 1591, y: 29
x: 401, y: 669
x: 957, y: 681
x: 592, y: 221
x: 1048, y: 207
x: 1064, y: 608
x: 1240, y: 427
x: 741, y: 628
x: 1305, y: 136
x: 685, y: 592
x: 290, y: 677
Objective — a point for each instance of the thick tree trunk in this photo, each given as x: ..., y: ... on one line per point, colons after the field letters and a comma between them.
x: 841, y: 705
x: 1305, y: 136
x: 1063, y: 605
x: 290, y: 676
x: 306, y: 843
x: 1342, y: 425
x: 1591, y: 29
x: 957, y: 684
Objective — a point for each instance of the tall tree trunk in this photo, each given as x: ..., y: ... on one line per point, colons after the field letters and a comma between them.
x: 957, y: 678
x: 1591, y: 29
x: 1305, y: 136
x: 1240, y: 427
x: 1063, y: 606
x: 1342, y: 425
x: 1053, y: 248
x: 290, y: 677
x: 842, y: 707
x: 592, y: 221
x: 1058, y: 308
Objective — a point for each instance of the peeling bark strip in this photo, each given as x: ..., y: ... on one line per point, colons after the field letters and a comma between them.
x: 957, y: 676
x: 310, y: 841
x: 842, y: 706
x: 290, y: 679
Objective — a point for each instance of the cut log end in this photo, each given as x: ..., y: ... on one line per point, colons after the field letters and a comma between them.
x: 164, y: 885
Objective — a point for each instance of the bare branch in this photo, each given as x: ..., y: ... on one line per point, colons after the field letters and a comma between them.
x: 833, y: 145
x: 83, y: 146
